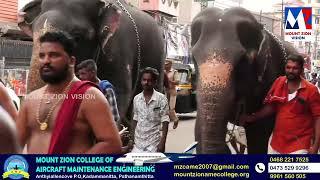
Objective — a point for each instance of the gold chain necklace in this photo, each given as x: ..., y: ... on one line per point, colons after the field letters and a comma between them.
x: 44, y: 124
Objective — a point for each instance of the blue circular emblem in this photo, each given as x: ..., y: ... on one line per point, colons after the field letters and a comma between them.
x: 18, y: 163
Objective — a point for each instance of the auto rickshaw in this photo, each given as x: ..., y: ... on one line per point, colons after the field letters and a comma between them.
x: 186, y: 100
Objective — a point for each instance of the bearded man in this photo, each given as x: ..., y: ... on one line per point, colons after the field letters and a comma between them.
x: 55, y: 119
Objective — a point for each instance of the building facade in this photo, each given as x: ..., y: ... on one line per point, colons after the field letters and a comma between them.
x: 160, y: 10
x: 188, y: 10
x: 15, y: 54
x: 8, y: 10
x: 8, y: 18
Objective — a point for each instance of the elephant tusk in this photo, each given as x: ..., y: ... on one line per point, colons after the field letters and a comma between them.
x: 105, y: 28
x: 45, y: 24
x: 106, y: 41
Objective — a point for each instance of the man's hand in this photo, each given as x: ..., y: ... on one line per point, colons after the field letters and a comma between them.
x: 124, y: 131
x: 313, y: 150
x: 246, y: 119
x: 161, y: 147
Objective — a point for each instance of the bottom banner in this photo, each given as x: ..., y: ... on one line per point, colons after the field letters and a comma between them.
x: 160, y: 166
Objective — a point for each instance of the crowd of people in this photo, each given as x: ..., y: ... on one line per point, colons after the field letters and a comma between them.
x: 53, y: 124
x: 53, y: 119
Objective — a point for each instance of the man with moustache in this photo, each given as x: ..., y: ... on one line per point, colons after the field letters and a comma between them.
x: 150, y: 113
x: 65, y: 125
x: 296, y: 103
x: 87, y: 71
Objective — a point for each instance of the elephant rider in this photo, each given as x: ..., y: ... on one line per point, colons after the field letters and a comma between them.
x: 296, y: 103
x: 6, y: 102
x: 171, y: 91
x: 66, y: 115
x: 150, y: 111
x: 8, y: 138
x: 87, y: 71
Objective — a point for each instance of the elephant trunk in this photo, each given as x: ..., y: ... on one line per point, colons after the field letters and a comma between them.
x: 34, y: 80
x: 215, y: 97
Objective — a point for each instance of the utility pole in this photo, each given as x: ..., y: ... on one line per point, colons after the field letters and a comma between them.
x: 260, y: 15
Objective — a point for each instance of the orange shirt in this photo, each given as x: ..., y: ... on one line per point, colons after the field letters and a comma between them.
x: 295, y: 119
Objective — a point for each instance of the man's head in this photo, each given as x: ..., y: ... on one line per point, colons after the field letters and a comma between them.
x: 87, y: 70
x: 168, y: 65
x: 294, y: 67
x: 149, y: 77
x: 56, y: 57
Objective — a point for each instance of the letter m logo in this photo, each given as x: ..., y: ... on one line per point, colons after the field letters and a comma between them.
x: 298, y: 18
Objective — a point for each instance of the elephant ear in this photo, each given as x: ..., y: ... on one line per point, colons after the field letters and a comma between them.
x: 263, y: 55
x: 28, y: 14
x: 110, y: 22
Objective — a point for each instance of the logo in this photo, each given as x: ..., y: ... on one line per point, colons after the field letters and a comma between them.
x: 260, y: 168
x: 298, y: 24
x: 298, y: 18
x: 16, y: 167
x: 138, y: 159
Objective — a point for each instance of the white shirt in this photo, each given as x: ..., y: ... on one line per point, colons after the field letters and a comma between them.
x: 149, y: 117
x: 292, y: 95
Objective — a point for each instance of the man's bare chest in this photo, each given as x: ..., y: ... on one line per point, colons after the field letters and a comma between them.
x: 46, y: 113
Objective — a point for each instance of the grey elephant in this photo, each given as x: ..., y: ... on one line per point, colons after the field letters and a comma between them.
x: 121, y: 38
x: 237, y: 60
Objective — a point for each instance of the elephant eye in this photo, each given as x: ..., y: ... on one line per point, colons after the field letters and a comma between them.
x: 77, y: 36
x: 249, y: 35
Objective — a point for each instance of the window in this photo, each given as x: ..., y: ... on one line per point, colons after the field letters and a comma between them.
x: 183, y: 77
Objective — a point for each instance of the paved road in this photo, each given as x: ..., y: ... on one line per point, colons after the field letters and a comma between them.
x: 180, y: 138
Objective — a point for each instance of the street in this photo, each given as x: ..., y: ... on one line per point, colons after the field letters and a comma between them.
x: 180, y: 138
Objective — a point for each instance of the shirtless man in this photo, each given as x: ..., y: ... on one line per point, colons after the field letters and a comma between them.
x: 6, y: 102
x: 8, y: 134
x: 38, y: 119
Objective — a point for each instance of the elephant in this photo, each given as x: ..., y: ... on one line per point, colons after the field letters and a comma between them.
x: 237, y: 59
x: 120, y: 38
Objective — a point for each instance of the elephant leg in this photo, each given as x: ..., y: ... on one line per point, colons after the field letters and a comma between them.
x: 198, y: 135
x: 124, y: 95
x: 258, y: 136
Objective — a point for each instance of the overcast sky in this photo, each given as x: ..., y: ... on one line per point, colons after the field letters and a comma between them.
x: 264, y: 5
x: 256, y: 5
